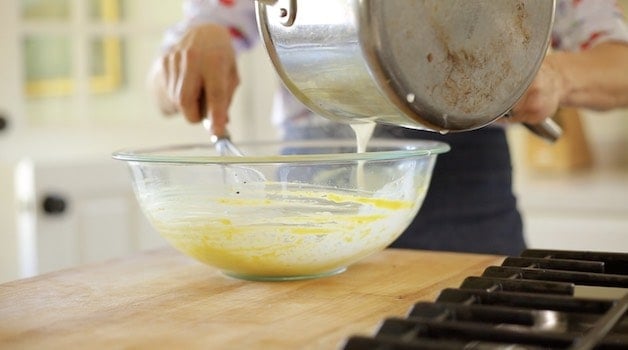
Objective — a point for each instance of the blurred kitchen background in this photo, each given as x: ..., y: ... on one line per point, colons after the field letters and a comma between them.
x: 73, y: 89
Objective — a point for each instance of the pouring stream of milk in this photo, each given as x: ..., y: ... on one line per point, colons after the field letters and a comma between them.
x: 363, y: 133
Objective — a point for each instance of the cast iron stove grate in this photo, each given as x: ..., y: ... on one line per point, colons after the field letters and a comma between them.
x: 543, y: 299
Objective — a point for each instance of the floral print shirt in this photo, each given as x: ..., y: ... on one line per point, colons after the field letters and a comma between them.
x: 581, y: 24
x: 578, y: 25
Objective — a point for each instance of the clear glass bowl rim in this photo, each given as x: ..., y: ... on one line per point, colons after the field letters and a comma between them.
x: 407, y: 149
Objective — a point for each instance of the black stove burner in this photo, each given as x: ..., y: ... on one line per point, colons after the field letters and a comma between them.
x: 543, y: 299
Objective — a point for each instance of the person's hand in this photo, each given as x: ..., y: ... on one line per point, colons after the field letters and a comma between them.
x: 543, y: 96
x: 198, y: 76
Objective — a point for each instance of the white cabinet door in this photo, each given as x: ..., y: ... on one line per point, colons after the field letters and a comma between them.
x: 83, y: 212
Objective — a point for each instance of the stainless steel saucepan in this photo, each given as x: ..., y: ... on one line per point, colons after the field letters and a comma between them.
x: 441, y: 65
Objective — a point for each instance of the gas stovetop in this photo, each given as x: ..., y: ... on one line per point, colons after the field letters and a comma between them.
x: 543, y: 299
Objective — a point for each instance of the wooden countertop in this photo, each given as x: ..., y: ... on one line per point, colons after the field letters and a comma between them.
x: 163, y: 299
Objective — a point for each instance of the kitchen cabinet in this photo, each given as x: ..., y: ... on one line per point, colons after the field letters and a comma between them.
x: 73, y: 213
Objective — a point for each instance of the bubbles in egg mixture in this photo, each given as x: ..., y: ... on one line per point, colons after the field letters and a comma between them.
x: 284, y: 231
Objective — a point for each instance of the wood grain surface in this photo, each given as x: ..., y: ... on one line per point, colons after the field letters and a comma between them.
x: 163, y: 300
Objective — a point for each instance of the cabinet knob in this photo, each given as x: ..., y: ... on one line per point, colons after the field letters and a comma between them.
x: 54, y: 205
x: 4, y: 122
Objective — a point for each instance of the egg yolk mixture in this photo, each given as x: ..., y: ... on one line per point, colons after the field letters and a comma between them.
x: 307, y: 233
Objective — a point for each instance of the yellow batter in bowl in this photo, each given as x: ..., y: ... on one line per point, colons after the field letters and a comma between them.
x: 259, y: 234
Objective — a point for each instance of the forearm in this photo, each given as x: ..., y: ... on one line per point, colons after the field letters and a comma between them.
x: 596, y: 78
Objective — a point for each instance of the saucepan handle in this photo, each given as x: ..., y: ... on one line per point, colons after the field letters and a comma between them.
x: 547, y: 129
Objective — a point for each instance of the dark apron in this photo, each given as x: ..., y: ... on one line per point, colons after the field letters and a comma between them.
x: 470, y: 206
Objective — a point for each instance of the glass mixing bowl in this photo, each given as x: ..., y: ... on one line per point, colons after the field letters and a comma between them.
x: 287, y: 210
